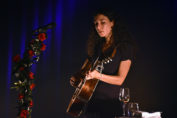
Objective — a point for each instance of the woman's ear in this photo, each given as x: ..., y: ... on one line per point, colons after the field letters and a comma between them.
x: 112, y: 24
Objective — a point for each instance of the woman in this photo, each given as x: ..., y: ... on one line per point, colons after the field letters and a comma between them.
x: 108, y: 40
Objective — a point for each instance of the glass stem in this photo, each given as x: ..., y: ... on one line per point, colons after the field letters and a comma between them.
x: 124, y: 104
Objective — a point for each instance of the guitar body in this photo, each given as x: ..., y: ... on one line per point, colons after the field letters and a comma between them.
x: 81, y: 96
x: 83, y: 92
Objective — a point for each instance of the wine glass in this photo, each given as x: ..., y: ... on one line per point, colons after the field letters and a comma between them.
x: 124, y: 97
x: 133, y: 108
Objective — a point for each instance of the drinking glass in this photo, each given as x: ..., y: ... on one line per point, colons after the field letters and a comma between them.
x: 133, y: 108
x: 124, y: 97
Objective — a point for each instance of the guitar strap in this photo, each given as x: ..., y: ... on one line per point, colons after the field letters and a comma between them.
x: 114, y: 52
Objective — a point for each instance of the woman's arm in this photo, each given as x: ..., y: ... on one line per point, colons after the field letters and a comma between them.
x: 116, y: 79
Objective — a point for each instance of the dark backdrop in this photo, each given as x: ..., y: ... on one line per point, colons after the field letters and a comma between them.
x: 153, y: 25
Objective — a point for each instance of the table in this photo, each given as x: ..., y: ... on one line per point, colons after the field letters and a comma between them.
x: 127, y: 117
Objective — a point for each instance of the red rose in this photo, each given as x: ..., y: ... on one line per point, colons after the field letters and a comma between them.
x: 32, y: 86
x: 16, y: 58
x: 23, y: 114
x: 20, y: 96
x: 31, y: 53
x: 31, y: 103
x: 30, y: 74
x: 21, y: 68
x: 42, y: 36
x: 43, y: 46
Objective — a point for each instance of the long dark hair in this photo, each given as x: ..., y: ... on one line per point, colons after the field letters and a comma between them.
x: 120, y: 35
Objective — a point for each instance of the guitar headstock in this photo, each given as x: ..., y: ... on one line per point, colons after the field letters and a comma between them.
x: 107, y: 60
x: 100, y: 67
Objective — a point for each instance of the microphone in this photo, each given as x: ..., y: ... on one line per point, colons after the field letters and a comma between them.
x: 45, y: 28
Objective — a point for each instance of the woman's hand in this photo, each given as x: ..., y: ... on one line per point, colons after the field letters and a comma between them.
x: 93, y: 75
x: 72, y: 81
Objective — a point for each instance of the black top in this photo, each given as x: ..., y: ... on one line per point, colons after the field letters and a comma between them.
x: 105, y: 99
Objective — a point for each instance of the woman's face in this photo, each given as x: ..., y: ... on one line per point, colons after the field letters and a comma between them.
x: 103, y: 26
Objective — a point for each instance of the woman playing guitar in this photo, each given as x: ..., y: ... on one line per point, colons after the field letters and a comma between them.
x: 110, y: 41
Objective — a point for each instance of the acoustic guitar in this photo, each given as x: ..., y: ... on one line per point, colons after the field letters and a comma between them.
x: 85, y: 88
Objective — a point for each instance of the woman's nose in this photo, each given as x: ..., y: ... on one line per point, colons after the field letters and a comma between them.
x: 98, y: 27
